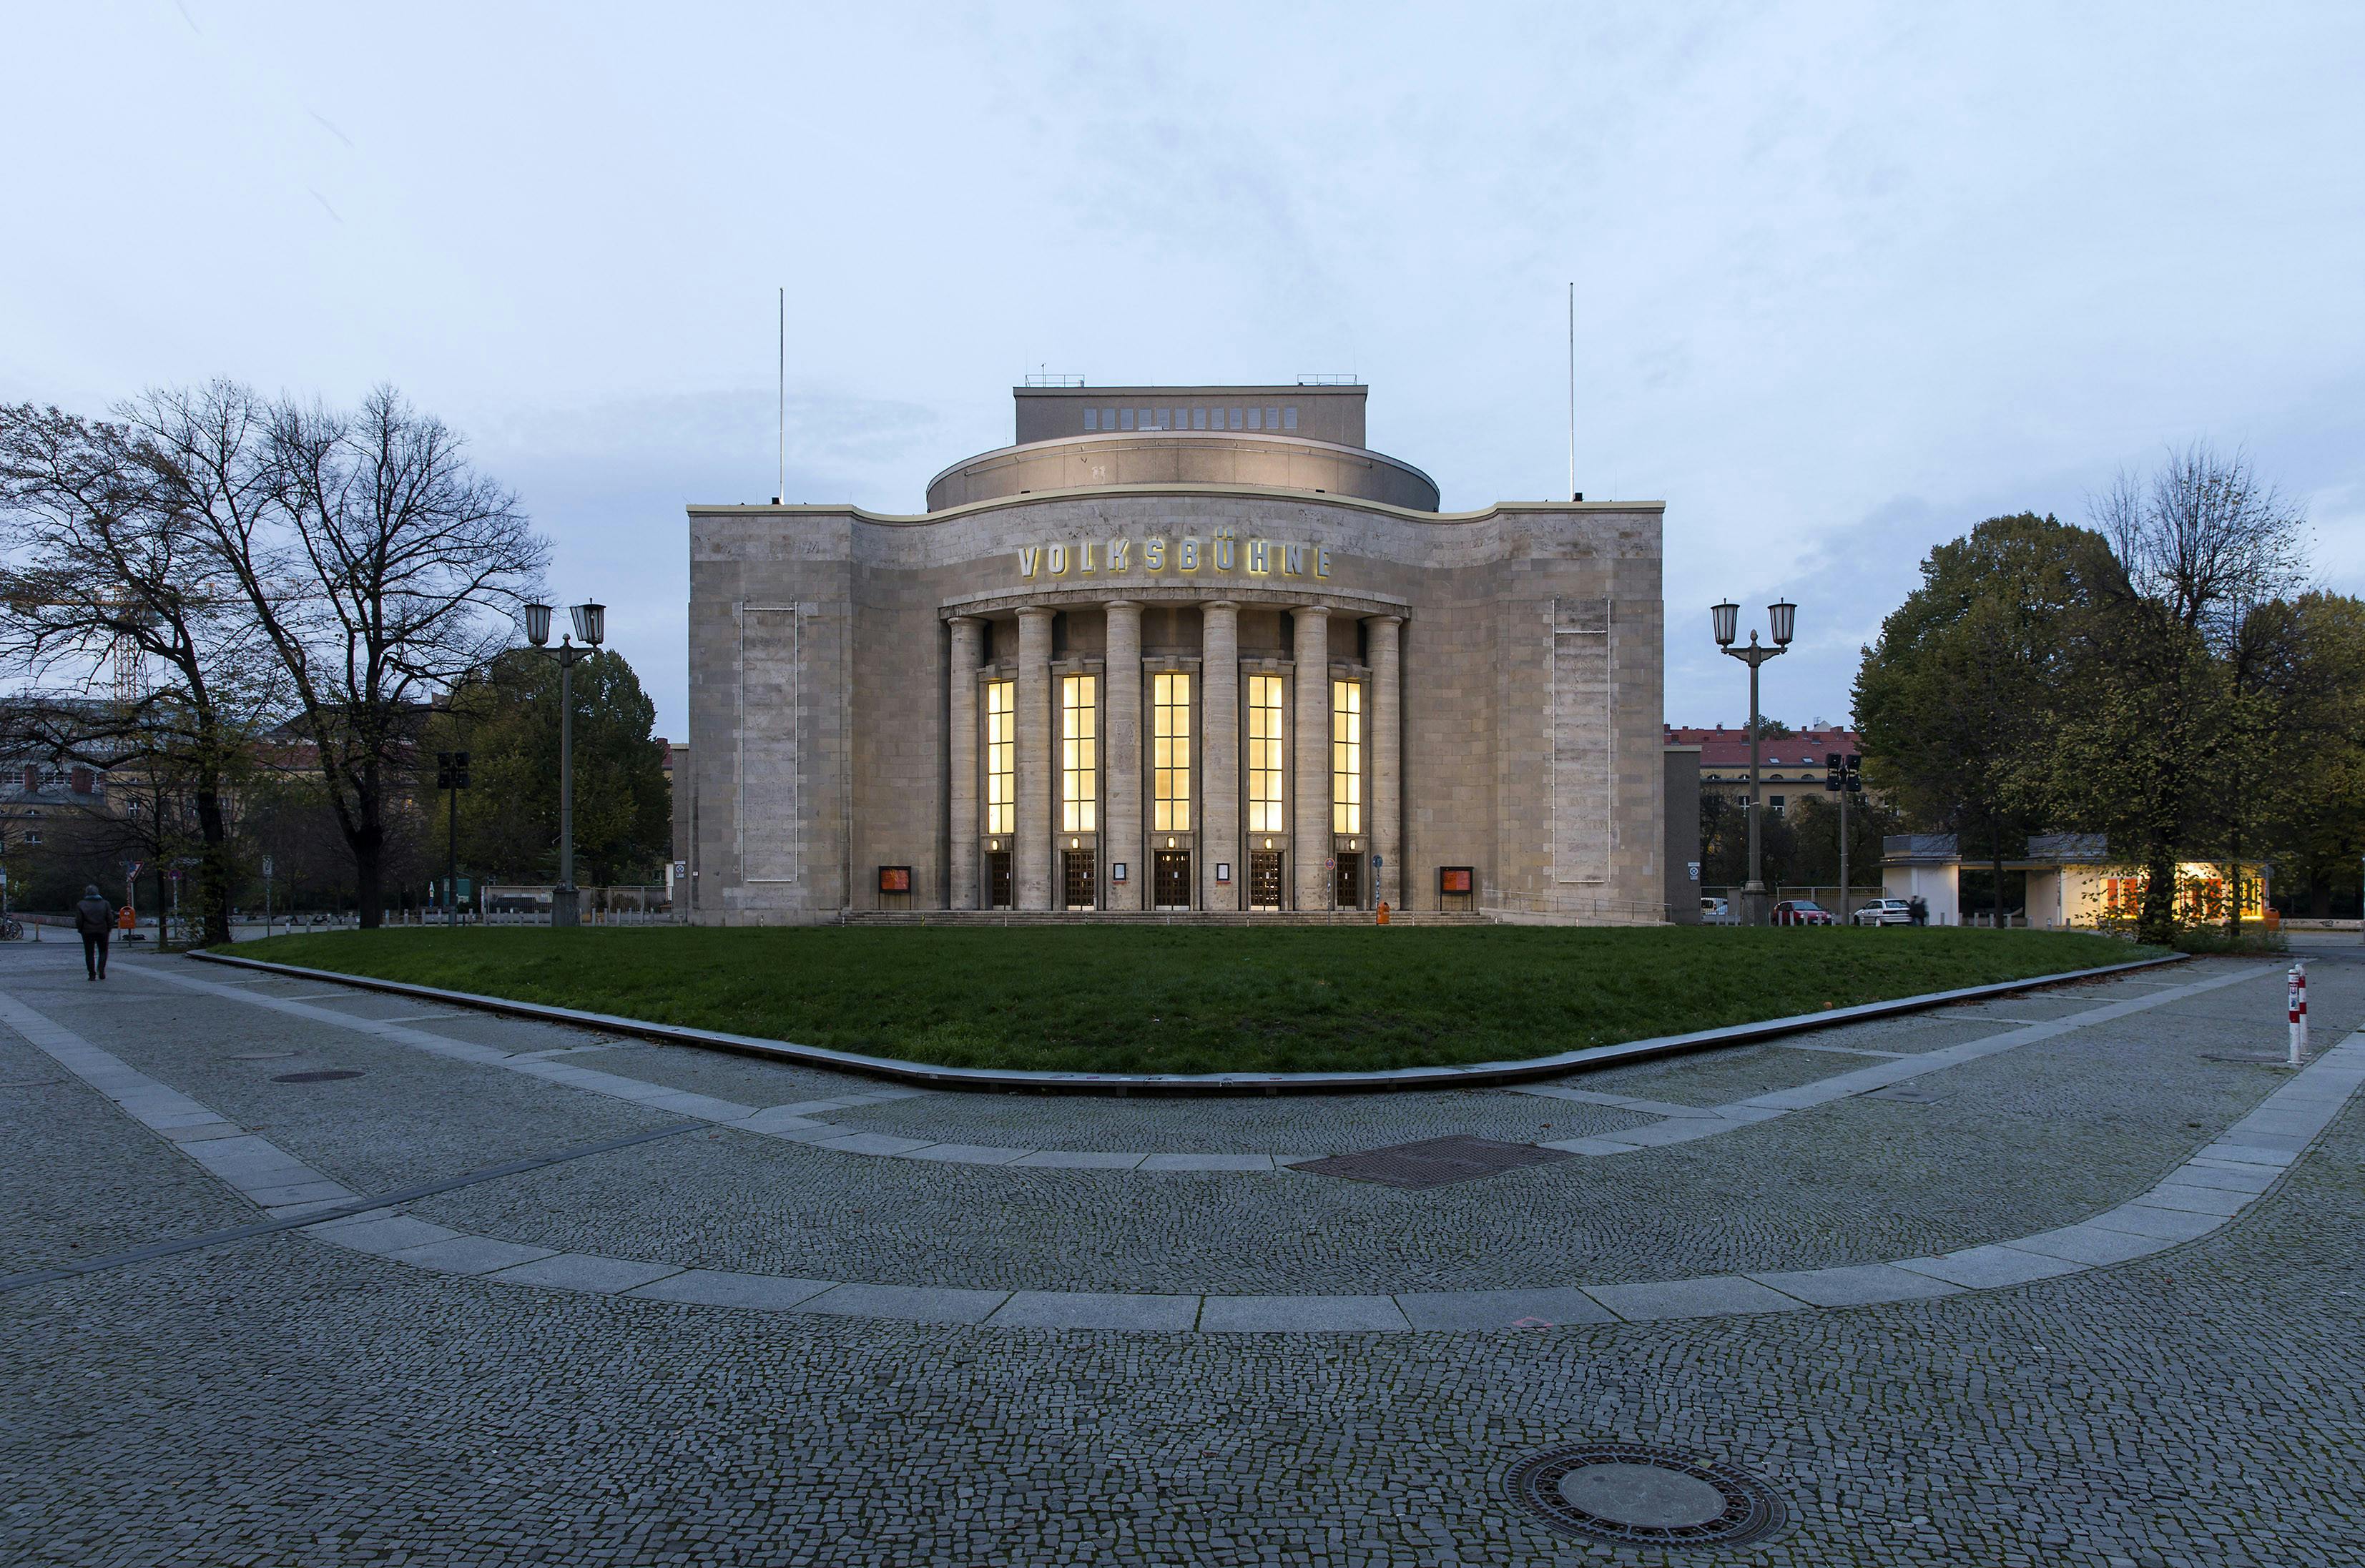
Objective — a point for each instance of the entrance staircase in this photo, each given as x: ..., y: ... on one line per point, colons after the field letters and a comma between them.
x: 1344, y: 917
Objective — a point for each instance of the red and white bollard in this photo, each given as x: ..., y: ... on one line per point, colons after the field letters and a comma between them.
x: 2297, y: 987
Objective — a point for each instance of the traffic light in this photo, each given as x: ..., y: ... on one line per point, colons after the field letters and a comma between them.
x: 451, y: 770
x: 1835, y: 771
x: 1854, y: 774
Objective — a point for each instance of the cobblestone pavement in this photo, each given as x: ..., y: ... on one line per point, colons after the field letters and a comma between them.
x: 279, y: 1400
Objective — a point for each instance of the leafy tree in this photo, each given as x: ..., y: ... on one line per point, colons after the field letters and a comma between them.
x: 507, y: 719
x: 2184, y: 679
x: 1955, y: 699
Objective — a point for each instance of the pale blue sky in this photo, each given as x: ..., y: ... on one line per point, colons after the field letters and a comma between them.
x: 1851, y: 277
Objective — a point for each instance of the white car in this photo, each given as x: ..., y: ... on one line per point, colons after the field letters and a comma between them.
x: 1883, y: 912
x: 1717, y: 911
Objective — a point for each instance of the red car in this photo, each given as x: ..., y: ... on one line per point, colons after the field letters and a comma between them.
x: 1801, y: 911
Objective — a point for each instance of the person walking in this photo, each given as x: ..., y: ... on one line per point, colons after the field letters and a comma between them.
x: 95, y: 918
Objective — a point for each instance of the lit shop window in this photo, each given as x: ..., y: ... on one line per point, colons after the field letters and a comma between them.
x: 1001, y: 756
x: 1170, y: 742
x: 1346, y: 756
x: 1078, y: 752
x: 1266, y: 763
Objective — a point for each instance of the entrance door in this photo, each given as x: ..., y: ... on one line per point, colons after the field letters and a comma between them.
x: 1348, y: 893
x: 1076, y: 878
x: 997, y: 880
x: 1171, y: 878
x: 1264, y: 879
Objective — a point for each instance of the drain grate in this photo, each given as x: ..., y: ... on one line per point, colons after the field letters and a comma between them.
x: 1641, y: 1496
x: 1433, y: 1162
x: 326, y: 1075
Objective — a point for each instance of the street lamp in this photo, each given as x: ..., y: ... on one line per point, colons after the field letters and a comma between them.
x: 591, y: 624
x: 1783, y: 618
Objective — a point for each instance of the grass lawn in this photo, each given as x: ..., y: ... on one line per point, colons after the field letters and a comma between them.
x: 1194, y: 999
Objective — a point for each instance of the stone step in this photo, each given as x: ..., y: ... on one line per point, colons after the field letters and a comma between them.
x: 1004, y: 918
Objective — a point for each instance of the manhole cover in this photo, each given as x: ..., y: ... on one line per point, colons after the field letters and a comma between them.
x: 1639, y: 1497
x: 1433, y: 1162
x: 326, y: 1075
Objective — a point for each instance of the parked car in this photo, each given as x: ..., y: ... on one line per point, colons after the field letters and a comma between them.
x: 1884, y: 912
x: 1717, y: 911
x: 1801, y: 911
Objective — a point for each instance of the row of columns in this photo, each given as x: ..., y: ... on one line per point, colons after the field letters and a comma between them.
x: 1216, y: 812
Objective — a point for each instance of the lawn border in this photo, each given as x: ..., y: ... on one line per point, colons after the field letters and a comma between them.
x: 1473, y: 1075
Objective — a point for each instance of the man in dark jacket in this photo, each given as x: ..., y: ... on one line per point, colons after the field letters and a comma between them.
x: 95, y: 918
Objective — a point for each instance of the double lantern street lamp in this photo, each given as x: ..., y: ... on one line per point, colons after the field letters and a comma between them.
x: 591, y: 625
x: 1784, y: 616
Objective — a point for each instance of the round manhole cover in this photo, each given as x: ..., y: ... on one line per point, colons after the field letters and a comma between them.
x: 328, y: 1075
x: 1639, y: 1496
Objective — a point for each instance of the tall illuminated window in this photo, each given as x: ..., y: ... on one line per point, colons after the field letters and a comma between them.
x: 1001, y: 756
x: 1267, y: 763
x: 1169, y: 743
x: 1079, y: 757
x: 1346, y: 756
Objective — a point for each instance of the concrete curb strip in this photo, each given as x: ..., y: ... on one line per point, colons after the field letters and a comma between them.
x: 1475, y: 1076
x: 797, y: 1123
x: 2299, y: 1110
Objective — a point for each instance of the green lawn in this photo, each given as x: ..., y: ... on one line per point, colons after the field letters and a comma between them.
x: 1193, y: 999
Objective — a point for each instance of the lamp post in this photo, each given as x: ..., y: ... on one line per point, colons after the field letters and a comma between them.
x: 1755, y: 908
x: 591, y: 624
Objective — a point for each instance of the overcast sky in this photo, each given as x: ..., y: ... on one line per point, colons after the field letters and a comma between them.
x: 1849, y: 277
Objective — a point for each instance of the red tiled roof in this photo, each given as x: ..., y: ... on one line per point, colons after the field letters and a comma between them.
x: 1721, y: 748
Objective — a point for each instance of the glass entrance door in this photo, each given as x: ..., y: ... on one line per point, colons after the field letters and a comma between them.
x: 1171, y: 878
x: 1264, y: 879
x: 1076, y: 878
x: 997, y: 880
x: 1349, y: 892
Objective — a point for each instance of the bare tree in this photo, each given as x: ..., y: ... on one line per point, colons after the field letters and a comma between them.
x: 107, y: 588
x: 378, y: 564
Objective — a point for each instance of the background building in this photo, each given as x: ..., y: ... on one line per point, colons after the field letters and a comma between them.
x: 1178, y: 650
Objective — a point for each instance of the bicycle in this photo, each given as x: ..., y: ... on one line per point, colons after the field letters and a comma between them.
x: 12, y: 929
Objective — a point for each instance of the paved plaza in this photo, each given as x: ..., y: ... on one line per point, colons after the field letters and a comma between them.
x: 295, y: 1273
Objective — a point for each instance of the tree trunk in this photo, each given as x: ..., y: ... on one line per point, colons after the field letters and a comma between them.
x: 213, y: 876
x: 369, y: 874
x: 2157, y: 923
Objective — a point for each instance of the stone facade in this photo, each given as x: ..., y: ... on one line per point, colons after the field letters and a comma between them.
x: 1477, y: 690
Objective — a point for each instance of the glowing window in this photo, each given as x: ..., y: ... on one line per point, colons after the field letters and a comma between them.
x: 1001, y: 756
x: 1169, y: 743
x: 1346, y: 756
x: 1268, y: 763
x: 1079, y: 754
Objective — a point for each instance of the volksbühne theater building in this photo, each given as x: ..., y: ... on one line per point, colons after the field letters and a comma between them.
x: 1177, y: 649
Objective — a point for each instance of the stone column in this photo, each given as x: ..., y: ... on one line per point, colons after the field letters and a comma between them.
x: 1121, y: 754
x: 1310, y: 785
x: 960, y: 688
x: 1387, y: 762
x: 1219, y: 754
x: 1031, y: 867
